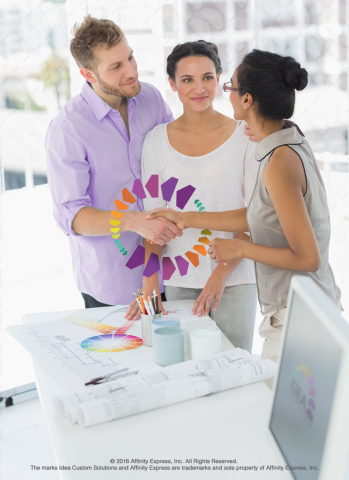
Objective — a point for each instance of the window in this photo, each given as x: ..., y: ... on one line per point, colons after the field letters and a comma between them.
x: 241, y: 49
x: 342, y: 11
x: 205, y: 17
x: 277, y: 13
x: 134, y: 20
x: 342, y: 47
x: 310, y: 13
x: 14, y: 180
x: 314, y: 49
x: 39, y: 179
x: 168, y: 21
x: 343, y: 81
x: 241, y: 17
x: 222, y: 52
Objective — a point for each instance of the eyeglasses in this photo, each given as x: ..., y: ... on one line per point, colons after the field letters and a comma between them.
x: 227, y: 87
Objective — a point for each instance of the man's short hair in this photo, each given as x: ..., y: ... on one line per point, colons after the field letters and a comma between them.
x: 93, y: 33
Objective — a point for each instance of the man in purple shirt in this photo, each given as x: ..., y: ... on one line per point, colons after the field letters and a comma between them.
x: 93, y: 152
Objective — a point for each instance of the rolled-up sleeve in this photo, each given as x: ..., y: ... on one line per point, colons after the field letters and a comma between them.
x: 68, y: 173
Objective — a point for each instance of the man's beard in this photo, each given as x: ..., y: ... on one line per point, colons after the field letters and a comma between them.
x: 119, y: 92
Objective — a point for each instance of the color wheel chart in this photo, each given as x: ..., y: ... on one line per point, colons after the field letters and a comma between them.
x: 138, y: 256
x: 111, y: 339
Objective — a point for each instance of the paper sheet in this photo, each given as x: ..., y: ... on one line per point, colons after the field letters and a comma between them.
x: 57, y: 347
x: 171, y: 391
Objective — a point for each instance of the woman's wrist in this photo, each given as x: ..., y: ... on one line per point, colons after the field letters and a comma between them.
x: 151, y: 282
x: 221, y: 272
x: 242, y: 245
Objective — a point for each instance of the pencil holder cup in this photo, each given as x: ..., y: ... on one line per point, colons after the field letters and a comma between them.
x: 165, y: 321
x: 168, y: 346
x: 146, y: 328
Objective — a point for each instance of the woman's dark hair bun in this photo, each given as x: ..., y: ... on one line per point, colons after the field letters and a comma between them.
x: 294, y: 76
x: 271, y: 80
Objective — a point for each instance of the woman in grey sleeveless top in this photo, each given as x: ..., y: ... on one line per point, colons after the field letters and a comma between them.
x: 288, y: 217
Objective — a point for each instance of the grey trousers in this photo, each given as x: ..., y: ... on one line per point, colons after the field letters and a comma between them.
x: 235, y: 314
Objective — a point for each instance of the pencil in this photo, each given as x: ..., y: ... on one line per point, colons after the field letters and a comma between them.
x: 138, y: 303
x: 146, y: 306
x: 151, y: 306
x: 142, y: 305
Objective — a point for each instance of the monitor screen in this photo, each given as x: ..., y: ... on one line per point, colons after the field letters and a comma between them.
x: 305, y: 390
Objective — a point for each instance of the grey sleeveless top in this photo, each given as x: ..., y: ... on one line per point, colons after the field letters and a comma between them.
x: 265, y: 229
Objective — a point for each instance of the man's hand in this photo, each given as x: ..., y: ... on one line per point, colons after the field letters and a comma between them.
x: 249, y: 133
x: 169, y: 214
x: 159, y: 231
x: 222, y: 250
x: 213, y: 289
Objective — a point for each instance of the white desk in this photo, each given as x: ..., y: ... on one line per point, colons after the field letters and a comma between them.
x: 226, y: 425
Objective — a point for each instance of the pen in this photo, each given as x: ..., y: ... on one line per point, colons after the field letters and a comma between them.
x: 156, y: 302
x: 153, y: 303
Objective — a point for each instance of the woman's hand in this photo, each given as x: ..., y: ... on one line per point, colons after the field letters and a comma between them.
x: 133, y: 312
x: 213, y: 289
x: 222, y: 250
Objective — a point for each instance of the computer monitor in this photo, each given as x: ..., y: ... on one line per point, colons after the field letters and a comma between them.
x: 309, y: 421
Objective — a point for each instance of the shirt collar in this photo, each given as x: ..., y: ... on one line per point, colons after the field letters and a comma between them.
x: 98, y: 106
x: 288, y: 136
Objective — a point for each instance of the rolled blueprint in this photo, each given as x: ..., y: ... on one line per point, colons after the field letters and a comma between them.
x: 172, y: 391
x: 63, y: 402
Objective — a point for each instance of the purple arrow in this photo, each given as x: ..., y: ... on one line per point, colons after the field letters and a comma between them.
x: 168, y: 268
x: 311, y: 381
x: 152, y: 186
x: 168, y: 188
x: 182, y: 265
x: 153, y: 265
x: 183, y: 196
x: 311, y: 403
x: 138, y: 189
x: 137, y: 258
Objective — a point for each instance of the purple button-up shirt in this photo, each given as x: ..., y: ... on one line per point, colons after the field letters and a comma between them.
x: 90, y: 160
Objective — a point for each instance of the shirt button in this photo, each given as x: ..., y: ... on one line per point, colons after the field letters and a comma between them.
x: 119, y: 123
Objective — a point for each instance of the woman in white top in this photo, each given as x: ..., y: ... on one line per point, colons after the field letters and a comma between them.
x: 211, y: 152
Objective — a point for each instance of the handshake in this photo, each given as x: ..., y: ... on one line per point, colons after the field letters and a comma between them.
x: 159, y: 225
